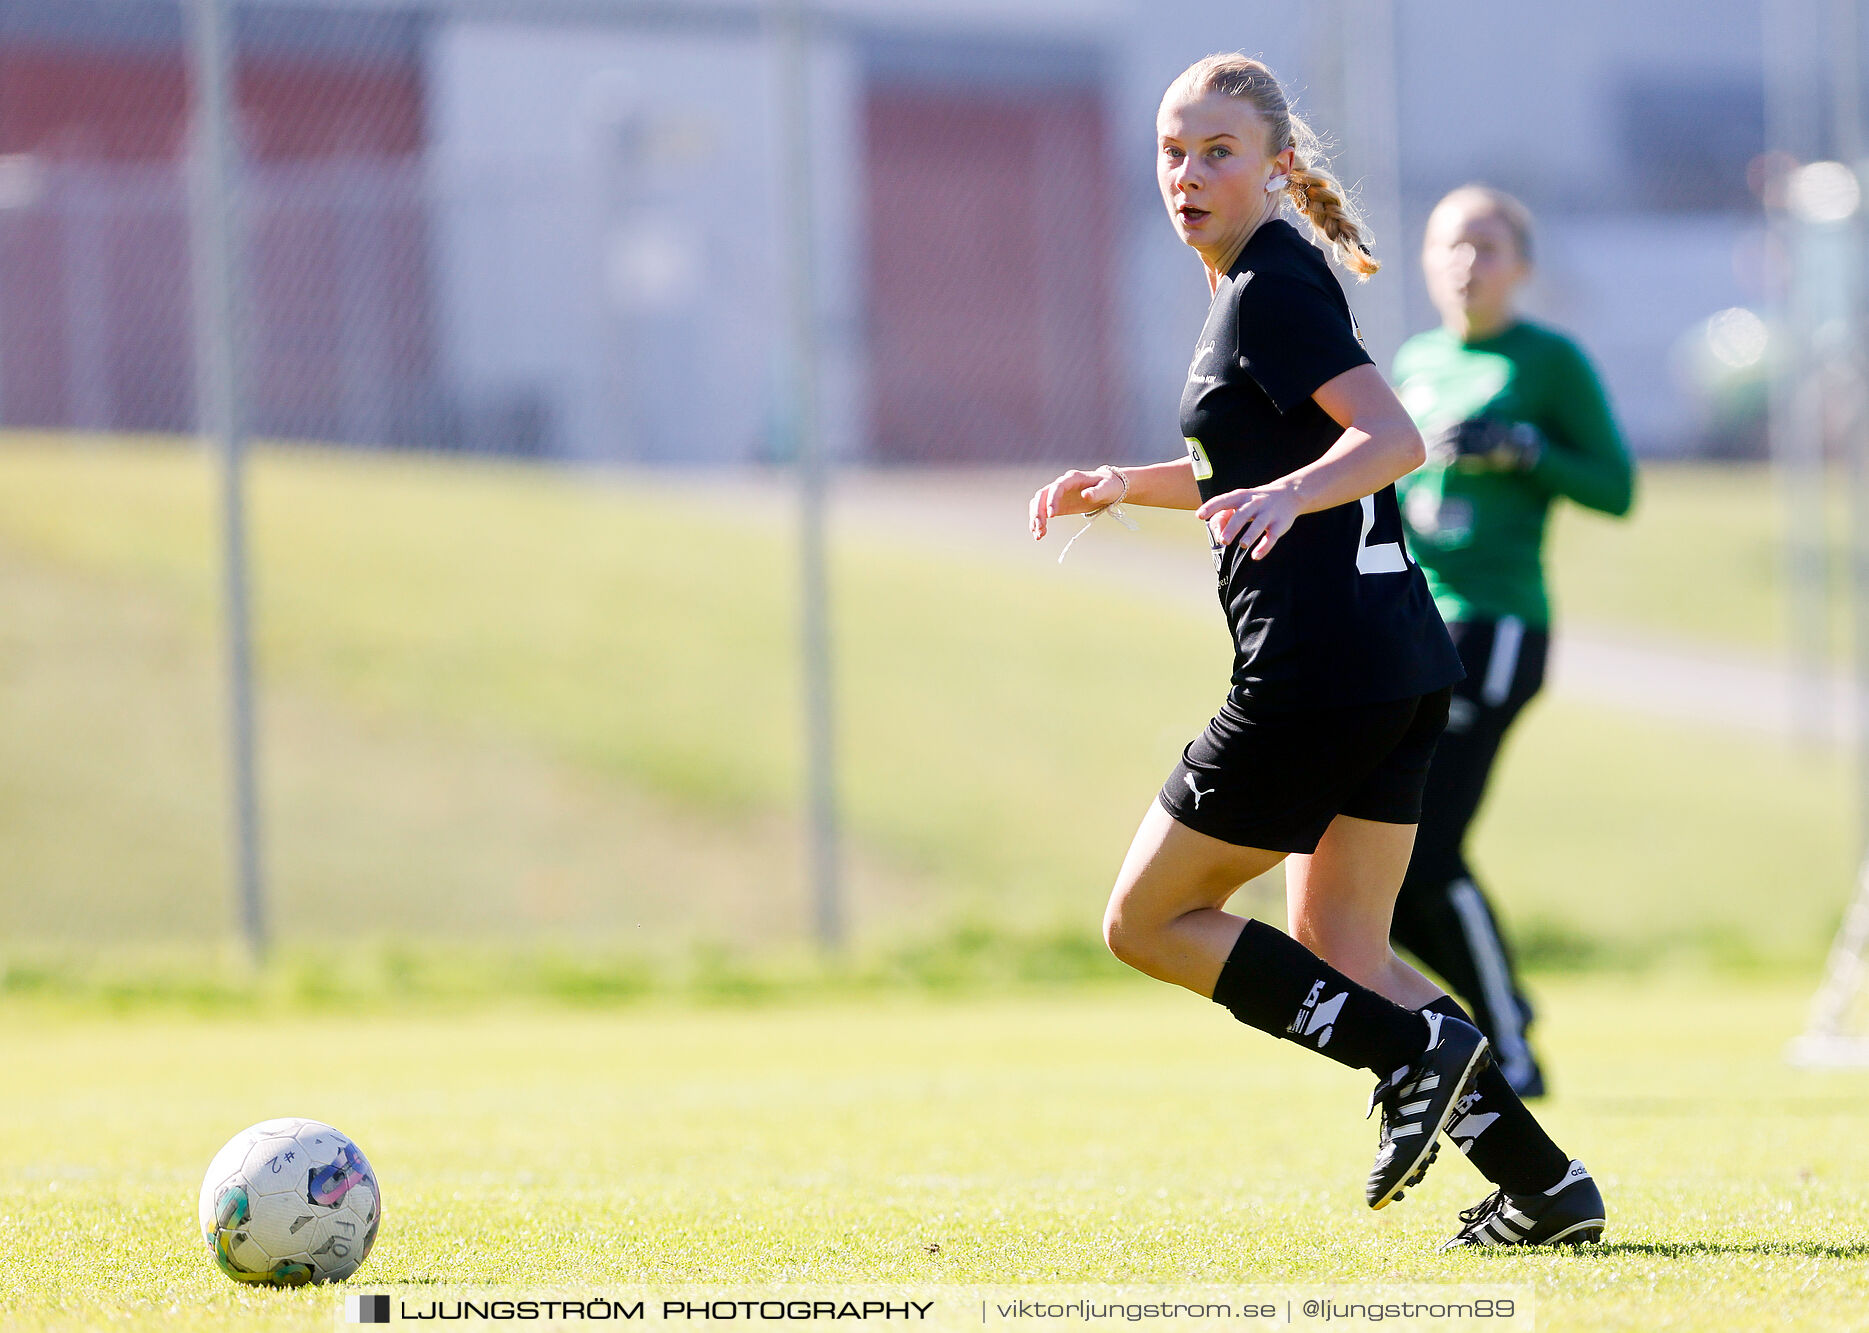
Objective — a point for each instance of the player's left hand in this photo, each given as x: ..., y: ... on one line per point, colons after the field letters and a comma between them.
x: 1255, y: 517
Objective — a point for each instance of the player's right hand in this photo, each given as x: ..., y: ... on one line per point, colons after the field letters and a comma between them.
x: 1073, y: 493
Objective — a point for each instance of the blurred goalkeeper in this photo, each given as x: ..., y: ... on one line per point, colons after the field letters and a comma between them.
x: 1514, y: 418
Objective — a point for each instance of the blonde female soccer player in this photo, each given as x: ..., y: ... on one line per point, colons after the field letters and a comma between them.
x: 1342, y: 668
x: 1516, y: 421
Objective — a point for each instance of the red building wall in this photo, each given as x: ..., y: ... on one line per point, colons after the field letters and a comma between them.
x: 95, y: 286
x: 991, y: 276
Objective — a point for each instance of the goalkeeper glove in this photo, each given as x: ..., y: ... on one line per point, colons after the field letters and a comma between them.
x: 1487, y: 444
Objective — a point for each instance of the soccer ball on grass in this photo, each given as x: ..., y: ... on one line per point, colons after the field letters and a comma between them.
x: 289, y: 1202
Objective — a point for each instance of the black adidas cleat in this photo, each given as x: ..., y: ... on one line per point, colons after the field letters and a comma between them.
x: 1417, y: 1102
x: 1569, y: 1213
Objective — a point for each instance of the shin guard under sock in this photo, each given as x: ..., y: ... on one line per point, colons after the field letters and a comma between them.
x: 1273, y: 983
x: 1496, y: 1132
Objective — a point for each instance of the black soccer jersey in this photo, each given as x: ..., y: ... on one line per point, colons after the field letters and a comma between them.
x: 1337, y: 614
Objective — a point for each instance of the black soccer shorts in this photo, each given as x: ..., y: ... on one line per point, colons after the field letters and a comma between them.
x: 1277, y: 780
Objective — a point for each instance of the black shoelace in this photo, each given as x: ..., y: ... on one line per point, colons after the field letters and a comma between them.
x: 1483, y: 1211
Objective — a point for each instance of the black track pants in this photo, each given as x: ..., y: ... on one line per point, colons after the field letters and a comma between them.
x: 1442, y: 916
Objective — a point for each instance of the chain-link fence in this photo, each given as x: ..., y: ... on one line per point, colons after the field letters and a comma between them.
x: 556, y: 686
x: 533, y: 233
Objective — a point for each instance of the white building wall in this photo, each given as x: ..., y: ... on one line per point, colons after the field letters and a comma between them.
x: 608, y: 233
x: 595, y: 276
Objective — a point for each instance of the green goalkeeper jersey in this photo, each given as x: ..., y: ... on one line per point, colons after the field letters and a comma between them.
x: 1479, y: 535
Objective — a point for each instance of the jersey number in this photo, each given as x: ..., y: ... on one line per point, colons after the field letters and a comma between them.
x: 1383, y: 557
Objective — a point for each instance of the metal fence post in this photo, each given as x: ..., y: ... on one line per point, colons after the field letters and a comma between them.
x: 801, y: 360
x: 217, y: 269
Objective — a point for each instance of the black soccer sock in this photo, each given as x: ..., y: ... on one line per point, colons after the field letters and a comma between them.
x: 1498, y: 1134
x: 1275, y: 984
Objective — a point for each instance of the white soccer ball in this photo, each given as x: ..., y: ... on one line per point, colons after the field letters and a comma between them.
x: 289, y: 1202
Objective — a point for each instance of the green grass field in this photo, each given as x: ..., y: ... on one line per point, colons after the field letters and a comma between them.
x: 1123, y: 1134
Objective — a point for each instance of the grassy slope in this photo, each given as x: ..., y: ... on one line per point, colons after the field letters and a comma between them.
x: 1645, y: 837
x: 1702, y: 557
x: 113, y: 787
x: 1133, y: 1134
x: 511, y: 698
x: 624, y: 637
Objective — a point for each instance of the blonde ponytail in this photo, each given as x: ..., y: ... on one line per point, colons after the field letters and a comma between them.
x: 1319, y: 198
